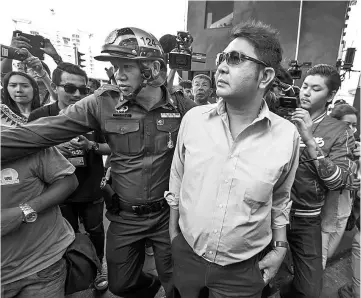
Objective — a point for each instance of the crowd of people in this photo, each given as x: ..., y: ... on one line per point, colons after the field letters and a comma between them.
x: 221, y: 191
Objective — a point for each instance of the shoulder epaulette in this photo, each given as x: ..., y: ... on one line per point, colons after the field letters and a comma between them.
x: 107, y: 88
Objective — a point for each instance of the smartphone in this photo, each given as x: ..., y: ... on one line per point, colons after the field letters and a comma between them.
x: 36, y: 41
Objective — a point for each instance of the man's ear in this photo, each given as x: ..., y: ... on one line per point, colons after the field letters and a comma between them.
x: 53, y: 86
x: 332, y: 95
x: 156, y: 68
x: 267, y: 77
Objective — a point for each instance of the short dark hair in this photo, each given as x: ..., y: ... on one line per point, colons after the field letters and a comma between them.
x: 69, y: 68
x: 95, y: 81
x: 341, y: 110
x: 284, y: 76
x: 264, y: 38
x: 203, y: 76
x: 186, y: 84
x: 333, y: 79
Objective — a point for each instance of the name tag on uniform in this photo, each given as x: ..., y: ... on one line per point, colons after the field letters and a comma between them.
x: 170, y: 115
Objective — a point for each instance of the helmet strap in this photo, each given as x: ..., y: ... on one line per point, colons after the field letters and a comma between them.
x: 146, y: 75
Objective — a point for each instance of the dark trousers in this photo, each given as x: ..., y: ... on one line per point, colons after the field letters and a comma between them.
x: 304, y: 237
x: 192, y: 274
x: 92, y: 215
x: 125, y: 253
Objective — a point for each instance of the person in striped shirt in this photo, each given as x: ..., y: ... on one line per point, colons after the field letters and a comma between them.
x: 325, y: 164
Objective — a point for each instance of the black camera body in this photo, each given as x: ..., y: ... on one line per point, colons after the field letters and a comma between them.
x: 288, y: 101
x: 36, y: 41
x: 287, y: 105
x: 13, y: 53
x: 181, y: 56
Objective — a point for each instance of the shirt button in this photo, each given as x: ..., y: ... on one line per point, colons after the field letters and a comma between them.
x: 215, y: 231
x: 148, y: 133
x: 145, y: 188
x: 226, y: 181
x: 210, y: 252
x: 220, y: 206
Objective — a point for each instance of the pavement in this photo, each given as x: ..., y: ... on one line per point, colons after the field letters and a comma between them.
x: 337, y: 273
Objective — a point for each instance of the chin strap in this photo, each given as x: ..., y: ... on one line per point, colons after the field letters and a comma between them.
x: 146, y: 75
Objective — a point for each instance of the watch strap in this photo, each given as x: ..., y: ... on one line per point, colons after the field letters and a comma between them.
x: 280, y: 244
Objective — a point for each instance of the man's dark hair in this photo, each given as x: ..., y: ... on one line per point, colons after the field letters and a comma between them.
x: 284, y: 76
x: 341, y: 110
x: 69, y: 68
x: 265, y: 40
x: 186, y: 84
x: 96, y: 82
x: 333, y: 79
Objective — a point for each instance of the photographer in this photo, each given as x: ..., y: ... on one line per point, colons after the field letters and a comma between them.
x: 325, y: 164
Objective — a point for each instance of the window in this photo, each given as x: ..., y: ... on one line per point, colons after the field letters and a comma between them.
x: 219, y: 14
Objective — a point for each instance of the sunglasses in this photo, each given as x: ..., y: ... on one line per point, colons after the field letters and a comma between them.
x: 71, y: 89
x: 235, y: 58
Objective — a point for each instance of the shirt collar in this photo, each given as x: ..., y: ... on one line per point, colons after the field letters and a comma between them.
x: 168, y: 102
x: 220, y: 109
x: 318, y: 119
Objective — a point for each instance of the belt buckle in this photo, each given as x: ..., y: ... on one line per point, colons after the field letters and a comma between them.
x: 136, y: 210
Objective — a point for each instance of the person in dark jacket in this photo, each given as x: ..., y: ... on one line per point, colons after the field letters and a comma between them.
x: 325, y: 164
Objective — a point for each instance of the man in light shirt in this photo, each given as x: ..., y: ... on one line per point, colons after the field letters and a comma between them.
x: 231, y: 176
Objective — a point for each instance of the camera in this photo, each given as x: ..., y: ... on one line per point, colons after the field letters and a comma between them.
x: 13, y: 53
x: 295, y: 69
x: 181, y: 56
x: 288, y: 100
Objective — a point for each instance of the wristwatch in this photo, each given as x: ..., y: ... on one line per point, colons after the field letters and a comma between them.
x: 94, y: 146
x: 29, y: 213
x: 280, y: 244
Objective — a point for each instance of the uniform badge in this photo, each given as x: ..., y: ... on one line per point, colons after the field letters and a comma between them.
x: 122, y: 109
x: 160, y: 122
x: 9, y: 176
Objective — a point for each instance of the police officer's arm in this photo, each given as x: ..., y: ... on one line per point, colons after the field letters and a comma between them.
x: 175, y: 181
x: 77, y: 119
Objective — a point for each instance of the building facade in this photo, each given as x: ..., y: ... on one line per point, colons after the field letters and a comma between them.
x: 310, y: 31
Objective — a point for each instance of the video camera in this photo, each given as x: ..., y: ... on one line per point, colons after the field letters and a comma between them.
x: 295, y: 69
x: 181, y: 56
x: 13, y: 53
x: 288, y: 101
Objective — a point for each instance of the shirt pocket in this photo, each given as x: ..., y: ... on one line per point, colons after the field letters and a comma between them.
x: 124, y: 136
x: 258, y: 195
x: 167, y: 133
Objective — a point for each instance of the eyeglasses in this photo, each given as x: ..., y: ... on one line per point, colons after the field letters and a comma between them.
x: 235, y: 58
x: 71, y: 89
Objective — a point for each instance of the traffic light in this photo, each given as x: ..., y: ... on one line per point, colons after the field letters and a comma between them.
x: 78, y: 59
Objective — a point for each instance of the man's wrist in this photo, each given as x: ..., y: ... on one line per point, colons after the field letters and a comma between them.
x: 57, y: 59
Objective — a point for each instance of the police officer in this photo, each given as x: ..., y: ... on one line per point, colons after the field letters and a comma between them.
x: 140, y: 121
